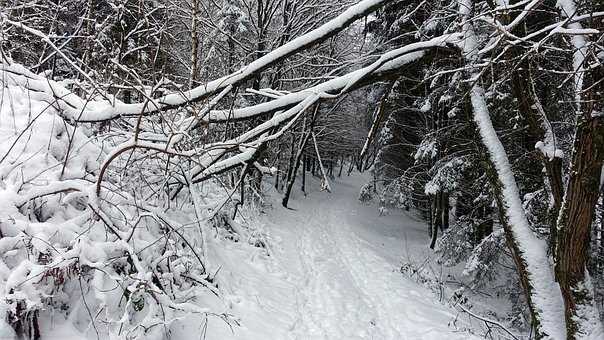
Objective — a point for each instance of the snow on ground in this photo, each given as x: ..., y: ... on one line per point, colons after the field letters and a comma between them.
x: 332, y: 273
x: 330, y: 269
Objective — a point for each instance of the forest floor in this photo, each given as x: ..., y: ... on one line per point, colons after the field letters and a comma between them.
x: 333, y: 272
x: 330, y: 270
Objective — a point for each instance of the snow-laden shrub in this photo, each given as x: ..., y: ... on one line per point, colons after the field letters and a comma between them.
x: 445, y: 176
x: 366, y: 193
x: 536, y: 205
x: 483, y: 264
x: 383, y: 211
x: 455, y: 245
x: 427, y: 149
x: 482, y: 259
x: 114, y: 264
x: 422, y: 275
x: 487, y: 269
x: 228, y: 228
x: 397, y: 194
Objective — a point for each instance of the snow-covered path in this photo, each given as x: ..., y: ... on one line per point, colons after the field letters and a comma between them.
x: 342, y: 259
x: 333, y: 273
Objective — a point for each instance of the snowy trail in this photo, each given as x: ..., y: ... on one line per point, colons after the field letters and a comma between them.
x: 333, y: 251
x: 332, y: 298
x: 332, y: 274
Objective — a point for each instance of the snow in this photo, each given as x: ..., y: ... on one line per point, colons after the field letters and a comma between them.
x: 569, y: 10
x: 295, y: 103
x: 75, y: 108
x: 333, y: 273
x: 386, y: 63
x: 78, y: 109
x: 104, y: 110
x: 586, y: 316
x: 548, y: 149
x: 428, y: 149
x: 329, y: 268
x: 545, y: 292
x: 526, y: 11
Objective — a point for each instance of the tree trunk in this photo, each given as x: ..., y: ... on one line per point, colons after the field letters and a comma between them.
x: 574, y: 227
x: 539, y: 132
x: 278, y: 168
x: 485, y: 227
x: 194, y: 75
x: 536, y: 118
x: 351, y: 166
x: 582, y: 191
x: 290, y: 182
x: 290, y: 161
x: 436, y: 217
x: 445, y: 210
x: 529, y: 253
x: 600, y: 244
x: 304, y: 167
x: 260, y: 43
x: 325, y: 182
x: 301, y: 146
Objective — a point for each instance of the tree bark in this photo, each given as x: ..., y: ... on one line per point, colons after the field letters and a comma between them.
x: 304, y: 168
x: 445, y: 210
x: 582, y: 191
x: 290, y: 182
x: 302, y: 145
x: 194, y: 75
x: 278, y: 168
x: 436, y: 217
x: 529, y: 253
x: 574, y: 227
x: 536, y: 118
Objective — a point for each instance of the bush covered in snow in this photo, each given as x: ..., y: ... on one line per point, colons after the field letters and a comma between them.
x: 121, y: 262
x: 366, y: 193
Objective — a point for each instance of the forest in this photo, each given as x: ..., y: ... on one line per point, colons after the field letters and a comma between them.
x: 302, y: 169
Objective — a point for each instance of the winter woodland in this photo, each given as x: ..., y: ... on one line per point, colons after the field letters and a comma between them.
x: 302, y: 169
